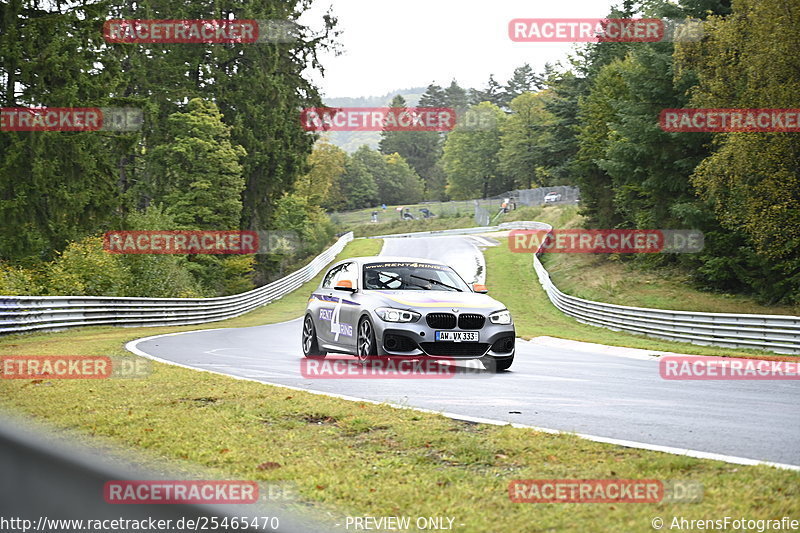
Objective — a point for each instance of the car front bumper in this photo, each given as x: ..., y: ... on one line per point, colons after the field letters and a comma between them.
x: 418, y: 340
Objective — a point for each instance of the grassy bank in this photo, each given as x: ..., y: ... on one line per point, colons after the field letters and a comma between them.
x: 606, y: 278
x: 409, y: 226
x: 366, y: 459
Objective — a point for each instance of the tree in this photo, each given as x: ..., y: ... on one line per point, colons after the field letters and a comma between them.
x: 434, y: 96
x: 471, y: 157
x: 752, y: 179
x: 294, y: 213
x: 596, y: 113
x: 358, y: 186
x: 524, y: 80
x: 375, y: 164
x: 58, y: 187
x: 55, y: 187
x: 401, y: 184
x: 648, y: 187
x: 396, y: 181
x: 456, y: 97
x: 202, y: 168
x: 524, y: 137
x: 561, y: 102
x: 326, y: 164
x: 203, y: 176
x: 421, y: 149
x: 494, y: 93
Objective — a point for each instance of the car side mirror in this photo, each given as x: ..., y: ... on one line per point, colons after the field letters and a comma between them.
x: 344, y: 285
x: 478, y: 287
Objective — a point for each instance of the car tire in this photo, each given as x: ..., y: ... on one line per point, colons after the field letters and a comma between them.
x: 309, y: 340
x: 498, y: 365
x: 366, y: 346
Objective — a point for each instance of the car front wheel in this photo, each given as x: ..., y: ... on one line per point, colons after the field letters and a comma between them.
x: 366, y: 346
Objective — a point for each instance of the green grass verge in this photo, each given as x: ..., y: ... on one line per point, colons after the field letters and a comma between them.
x: 512, y: 280
x: 607, y: 280
x: 367, y: 459
x: 461, y: 208
x: 409, y: 226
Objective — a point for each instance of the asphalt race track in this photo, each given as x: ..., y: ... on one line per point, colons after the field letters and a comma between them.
x: 563, y: 389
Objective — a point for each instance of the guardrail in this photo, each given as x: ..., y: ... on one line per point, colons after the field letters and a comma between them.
x: 778, y: 333
x: 28, y: 313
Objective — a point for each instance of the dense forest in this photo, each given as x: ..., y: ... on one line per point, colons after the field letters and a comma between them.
x: 222, y: 146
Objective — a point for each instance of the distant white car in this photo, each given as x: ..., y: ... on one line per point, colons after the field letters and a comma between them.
x: 552, y: 197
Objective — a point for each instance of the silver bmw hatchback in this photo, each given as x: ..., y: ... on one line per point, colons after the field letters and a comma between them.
x: 405, y: 307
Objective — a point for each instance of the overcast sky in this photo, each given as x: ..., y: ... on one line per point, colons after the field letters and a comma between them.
x: 409, y: 43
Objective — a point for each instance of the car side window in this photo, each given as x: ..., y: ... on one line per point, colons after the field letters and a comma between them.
x: 328, y: 280
x: 348, y: 272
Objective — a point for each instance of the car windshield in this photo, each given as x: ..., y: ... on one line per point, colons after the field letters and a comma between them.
x: 412, y: 276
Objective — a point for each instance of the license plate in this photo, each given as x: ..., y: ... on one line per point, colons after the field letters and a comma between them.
x: 457, y: 336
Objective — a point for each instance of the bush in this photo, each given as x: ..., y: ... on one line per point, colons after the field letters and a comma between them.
x: 85, y: 269
x: 313, y: 227
x: 223, y: 275
x: 18, y: 281
x: 158, y: 275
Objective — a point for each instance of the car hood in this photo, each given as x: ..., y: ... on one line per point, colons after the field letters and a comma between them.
x: 438, y: 299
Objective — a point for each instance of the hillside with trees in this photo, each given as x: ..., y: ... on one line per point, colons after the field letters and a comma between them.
x: 595, y: 124
x: 221, y: 146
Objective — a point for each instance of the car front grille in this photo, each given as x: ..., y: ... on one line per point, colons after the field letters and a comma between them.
x: 441, y: 320
x: 471, y: 321
x: 455, y: 349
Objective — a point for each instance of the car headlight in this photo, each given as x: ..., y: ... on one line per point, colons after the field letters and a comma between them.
x: 500, y: 317
x: 389, y: 314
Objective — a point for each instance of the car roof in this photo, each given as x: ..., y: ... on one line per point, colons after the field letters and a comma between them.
x: 388, y: 259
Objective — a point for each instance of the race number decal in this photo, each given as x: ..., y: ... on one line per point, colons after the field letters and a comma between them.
x: 335, y: 320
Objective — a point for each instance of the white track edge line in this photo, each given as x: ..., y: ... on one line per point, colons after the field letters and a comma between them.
x: 132, y: 346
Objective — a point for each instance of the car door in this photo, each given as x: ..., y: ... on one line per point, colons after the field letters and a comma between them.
x: 325, y: 301
x: 347, y: 308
